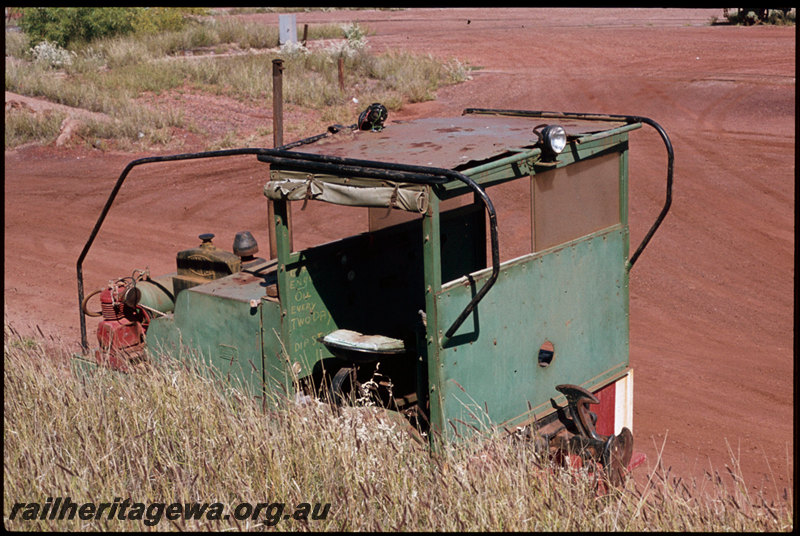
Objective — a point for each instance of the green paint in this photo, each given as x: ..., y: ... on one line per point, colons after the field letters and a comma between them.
x: 216, y: 328
x: 574, y: 295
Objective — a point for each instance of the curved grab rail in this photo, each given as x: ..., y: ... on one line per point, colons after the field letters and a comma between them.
x: 406, y: 173
x: 606, y: 117
x: 392, y: 172
x: 325, y: 164
x: 330, y: 164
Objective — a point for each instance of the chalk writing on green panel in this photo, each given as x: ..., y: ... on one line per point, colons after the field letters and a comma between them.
x: 307, y: 318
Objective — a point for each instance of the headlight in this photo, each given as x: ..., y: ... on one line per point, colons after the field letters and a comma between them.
x: 555, y: 139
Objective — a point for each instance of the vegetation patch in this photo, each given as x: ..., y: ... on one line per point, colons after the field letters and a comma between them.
x: 22, y: 126
x: 68, y: 25
x: 173, y: 432
x: 116, y: 71
x: 751, y: 16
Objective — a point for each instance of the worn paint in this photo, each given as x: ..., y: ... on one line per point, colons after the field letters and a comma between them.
x: 450, y: 142
x: 574, y: 294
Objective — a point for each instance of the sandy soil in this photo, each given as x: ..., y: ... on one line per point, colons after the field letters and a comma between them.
x: 711, y: 297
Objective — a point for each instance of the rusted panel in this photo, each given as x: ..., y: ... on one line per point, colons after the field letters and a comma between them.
x: 241, y: 286
x: 576, y: 200
x: 450, y: 143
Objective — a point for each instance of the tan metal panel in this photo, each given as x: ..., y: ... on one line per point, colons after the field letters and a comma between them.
x: 576, y: 200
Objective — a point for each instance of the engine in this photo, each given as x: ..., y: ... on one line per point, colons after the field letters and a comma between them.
x: 121, y: 331
x: 128, y: 304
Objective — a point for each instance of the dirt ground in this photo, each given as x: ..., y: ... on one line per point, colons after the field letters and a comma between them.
x: 711, y: 297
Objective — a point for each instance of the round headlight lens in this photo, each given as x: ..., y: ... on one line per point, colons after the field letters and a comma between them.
x: 555, y: 138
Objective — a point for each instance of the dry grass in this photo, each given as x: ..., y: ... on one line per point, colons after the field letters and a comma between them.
x: 169, y: 433
x: 224, y: 56
x: 22, y: 126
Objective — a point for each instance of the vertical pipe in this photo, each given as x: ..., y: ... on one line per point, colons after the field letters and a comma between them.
x: 305, y: 33
x: 277, y: 102
x: 277, y: 141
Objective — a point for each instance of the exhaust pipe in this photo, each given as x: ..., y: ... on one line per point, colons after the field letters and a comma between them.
x: 277, y: 141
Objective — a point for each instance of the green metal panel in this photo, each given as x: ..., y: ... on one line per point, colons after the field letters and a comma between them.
x: 278, y: 373
x: 431, y: 246
x: 217, y: 327
x: 371, y: 283
x: 574, y: 295
x: 454, y: 244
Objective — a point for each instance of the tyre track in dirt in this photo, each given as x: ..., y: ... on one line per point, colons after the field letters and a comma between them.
x: 729, y: 193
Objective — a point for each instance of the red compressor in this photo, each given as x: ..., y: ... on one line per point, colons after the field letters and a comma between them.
x: 121, y: 331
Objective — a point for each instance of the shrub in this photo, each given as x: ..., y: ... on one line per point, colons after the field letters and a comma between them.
x: 160, y: 19
x: 355, y: 35
x: 355, y: 42
x: 52, y: 55
x: 67, y: 25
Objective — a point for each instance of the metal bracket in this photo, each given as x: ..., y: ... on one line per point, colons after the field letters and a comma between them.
x: 614, y: 452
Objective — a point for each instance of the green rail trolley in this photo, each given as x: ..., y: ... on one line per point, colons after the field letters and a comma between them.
x: 420, y: 312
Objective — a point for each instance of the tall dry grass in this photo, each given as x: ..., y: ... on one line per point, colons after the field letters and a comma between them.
x: 22, y: 127
x: 234, y: 59
x: 169, y: 433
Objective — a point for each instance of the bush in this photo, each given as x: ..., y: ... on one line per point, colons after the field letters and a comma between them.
x: 158, y: 19
x: 67, y: 25
x: 52, y: 55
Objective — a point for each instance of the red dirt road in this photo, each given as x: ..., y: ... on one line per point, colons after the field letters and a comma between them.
x: 711, y: 297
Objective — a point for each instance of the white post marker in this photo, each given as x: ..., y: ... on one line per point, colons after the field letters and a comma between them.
x: 287, y: 26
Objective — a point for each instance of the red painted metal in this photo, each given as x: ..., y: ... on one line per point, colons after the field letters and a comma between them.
x: 120, y: 333
x: 605, y: 410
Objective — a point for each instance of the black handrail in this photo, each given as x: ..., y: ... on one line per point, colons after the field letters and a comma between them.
x: 324, y: 164
x: 630, y: 119
x: 386, y: 171
x: 403, y: 173
x: 110, y: 201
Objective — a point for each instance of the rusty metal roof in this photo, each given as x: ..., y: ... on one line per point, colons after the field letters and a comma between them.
x: 446, y: 142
